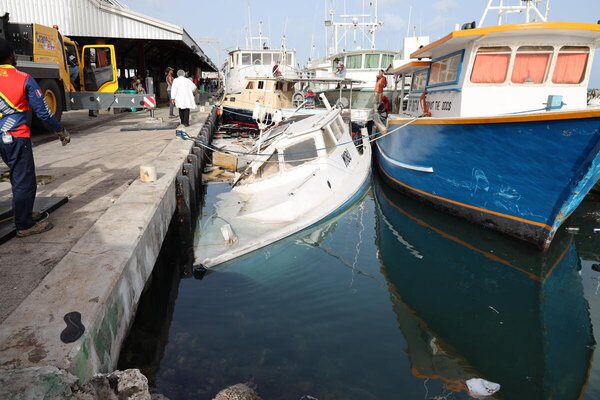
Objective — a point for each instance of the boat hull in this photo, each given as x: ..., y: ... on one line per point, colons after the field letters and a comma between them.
x: 241, y: 116
x: 484, y: 306
x: 521, y: 175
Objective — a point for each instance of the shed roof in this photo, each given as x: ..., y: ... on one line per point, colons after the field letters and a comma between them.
x: 99, y: 18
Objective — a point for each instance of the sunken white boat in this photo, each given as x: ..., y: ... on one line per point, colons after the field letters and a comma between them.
x: 306, y: 170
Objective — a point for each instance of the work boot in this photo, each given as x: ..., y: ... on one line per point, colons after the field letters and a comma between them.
x: 39, y: 227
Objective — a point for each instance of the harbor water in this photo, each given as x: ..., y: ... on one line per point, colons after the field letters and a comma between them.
x: 389, y: 299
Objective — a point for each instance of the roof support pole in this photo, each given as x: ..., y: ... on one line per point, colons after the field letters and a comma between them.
x: 141, y: 64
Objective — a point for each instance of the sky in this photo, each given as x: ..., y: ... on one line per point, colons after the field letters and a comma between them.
x: 302, y: 21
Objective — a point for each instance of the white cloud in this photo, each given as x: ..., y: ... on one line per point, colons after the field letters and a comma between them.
x: 445, y: 6
x: 394, y: 22
x: 383, y: 4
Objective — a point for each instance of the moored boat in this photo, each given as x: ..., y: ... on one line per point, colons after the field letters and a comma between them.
x: 483, y: 306
x: 306, y: 170
x: 497, y: 128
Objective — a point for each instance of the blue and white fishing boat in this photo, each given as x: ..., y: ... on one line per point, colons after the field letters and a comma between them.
x: 497, y: 128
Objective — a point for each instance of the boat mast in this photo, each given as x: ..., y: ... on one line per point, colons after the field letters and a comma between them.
x: 531, y: 9
x: 365, y: 25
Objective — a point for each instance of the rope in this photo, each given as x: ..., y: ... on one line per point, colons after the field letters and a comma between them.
x: 374, y: 136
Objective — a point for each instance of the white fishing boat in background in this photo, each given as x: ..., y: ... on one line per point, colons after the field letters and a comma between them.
x: 305, y: 170
x: 361, y: 57
x: 270, y: 100
x: 257, y: 60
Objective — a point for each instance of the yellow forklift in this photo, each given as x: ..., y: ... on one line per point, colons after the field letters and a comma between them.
x: 53, y: 60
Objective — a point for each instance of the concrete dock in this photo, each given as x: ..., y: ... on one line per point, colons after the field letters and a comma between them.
x: 99, y: 255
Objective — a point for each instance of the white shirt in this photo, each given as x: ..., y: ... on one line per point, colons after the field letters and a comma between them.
x: 182, y: 92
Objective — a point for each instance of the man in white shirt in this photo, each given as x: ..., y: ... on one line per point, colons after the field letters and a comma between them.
x: 182, y: 95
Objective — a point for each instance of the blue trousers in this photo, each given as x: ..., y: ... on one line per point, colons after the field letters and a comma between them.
x: 19, y: 158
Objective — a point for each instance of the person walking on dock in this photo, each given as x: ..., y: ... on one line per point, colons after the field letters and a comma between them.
x: 380, y: 84
x: 182, y: 93
x: 169, y: 80
x: 18, y: 93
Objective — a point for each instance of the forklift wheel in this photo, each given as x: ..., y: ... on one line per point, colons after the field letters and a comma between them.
x: 53, y: 98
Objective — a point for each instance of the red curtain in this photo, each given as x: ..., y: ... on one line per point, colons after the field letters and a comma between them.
x: 490, y: 68
x: 570, y: 68
x: 530, y: 68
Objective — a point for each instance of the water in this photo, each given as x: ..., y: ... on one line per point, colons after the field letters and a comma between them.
x: 390, y: 299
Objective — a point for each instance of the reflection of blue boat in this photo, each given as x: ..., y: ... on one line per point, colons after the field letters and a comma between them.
x: 477, y: 306
x: 507, y: 140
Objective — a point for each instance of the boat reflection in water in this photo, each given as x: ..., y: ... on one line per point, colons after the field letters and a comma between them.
x: 473, y: 303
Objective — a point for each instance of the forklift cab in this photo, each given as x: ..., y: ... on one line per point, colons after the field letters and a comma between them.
x: 98, y: 69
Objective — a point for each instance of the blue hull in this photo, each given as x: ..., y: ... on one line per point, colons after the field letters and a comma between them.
x: 521, y: 176
x: 496, y: 310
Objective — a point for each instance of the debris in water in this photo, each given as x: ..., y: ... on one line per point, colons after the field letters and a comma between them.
x: 481, y: 388
x: 573, y: 230
x: 493, y: 309
x: 228, y: 234
x: 596, y: 267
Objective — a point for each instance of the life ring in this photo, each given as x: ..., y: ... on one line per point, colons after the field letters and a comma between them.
x: 424, y: 104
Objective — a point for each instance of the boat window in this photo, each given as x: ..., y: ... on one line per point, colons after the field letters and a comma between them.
x: 246, y: 59
x: 250, y: 85
x: 328, y: 140
x: 270, y: 167
x: 337, y: 129
x: 342, y: 127
x: 372, y: 60
x: 289, y: 59
x: 445, y: 71
x: 491, y: 65
x: 268, y: 59
x: 299, y: 153
x: 386, y: 60
x: 354, y: 61
x: 571, y: 65
x: 279, y: 86
x: 531, y: 64
x: 419, y: 79
x: 261, y: 84
x: 256, y: 59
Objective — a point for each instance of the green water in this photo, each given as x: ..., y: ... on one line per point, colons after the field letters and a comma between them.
x: 389, y: 300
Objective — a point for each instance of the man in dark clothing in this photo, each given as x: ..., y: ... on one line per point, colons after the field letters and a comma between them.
x: 384, y: 107
x: 18, y: 93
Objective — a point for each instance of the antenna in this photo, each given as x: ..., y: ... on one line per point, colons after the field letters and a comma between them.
x: 363, y: 25
x: 531, y: 9
x: 409, y: 16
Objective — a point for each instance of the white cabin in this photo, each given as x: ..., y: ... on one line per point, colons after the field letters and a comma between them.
x: 504, y: 69
x: 258, y: 63
x: 361, y: 65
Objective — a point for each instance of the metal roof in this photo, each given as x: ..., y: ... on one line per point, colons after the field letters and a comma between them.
x: 97, y: 18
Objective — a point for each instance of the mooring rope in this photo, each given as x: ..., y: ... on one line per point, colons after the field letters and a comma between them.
x: 372, y: 138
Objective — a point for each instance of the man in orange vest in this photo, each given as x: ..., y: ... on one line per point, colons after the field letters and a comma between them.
x: 18, y: 93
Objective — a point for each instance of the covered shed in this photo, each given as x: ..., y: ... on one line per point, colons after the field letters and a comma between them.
x: 145, y: 46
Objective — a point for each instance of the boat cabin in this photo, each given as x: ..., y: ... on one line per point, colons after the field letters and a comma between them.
x: 310, y: 141
x: 367, y: 60
x: 271, y: 92
x: 505, y: 69
x: 269, y: 57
